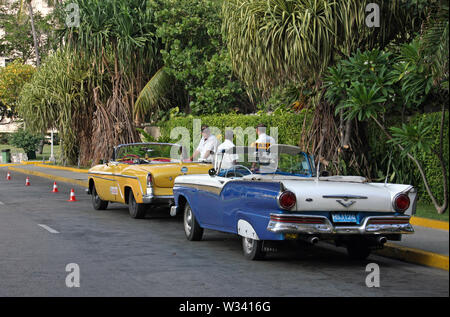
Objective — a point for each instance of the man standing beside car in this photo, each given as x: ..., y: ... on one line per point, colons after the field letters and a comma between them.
x: 207, y: 147
x: 264, y: 140
x: 262, y: 145
x: 226, y: 160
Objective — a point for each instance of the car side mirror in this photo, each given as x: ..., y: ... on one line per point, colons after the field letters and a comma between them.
x: 324, y: 174
x: 212, y: 172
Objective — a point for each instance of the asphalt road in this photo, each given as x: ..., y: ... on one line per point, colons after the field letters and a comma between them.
x: 121, y: 256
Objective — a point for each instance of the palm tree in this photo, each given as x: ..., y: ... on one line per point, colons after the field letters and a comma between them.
x: 276, y: 41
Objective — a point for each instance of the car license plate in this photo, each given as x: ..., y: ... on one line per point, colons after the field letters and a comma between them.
x: 344, y: 217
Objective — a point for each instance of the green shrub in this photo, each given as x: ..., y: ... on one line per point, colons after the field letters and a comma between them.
x: 289, y: 124
x: 25, y: 140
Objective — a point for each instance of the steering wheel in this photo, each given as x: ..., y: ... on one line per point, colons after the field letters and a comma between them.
x: 238, y: 174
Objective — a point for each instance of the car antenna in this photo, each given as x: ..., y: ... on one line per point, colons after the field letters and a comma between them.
x: 318, y: 168
x: 320, y: 154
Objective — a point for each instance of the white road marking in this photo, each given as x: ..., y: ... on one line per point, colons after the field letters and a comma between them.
x: 48, y: 228
x: 2, y: 203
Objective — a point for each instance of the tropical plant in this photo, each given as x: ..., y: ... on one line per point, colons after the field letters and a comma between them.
x: 57, y: 98
x: 277, y: 41
x: 414, y: 75
x: 367, y: 104
x: 117, y: 38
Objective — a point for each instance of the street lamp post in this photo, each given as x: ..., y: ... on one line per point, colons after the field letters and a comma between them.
x: 52, y: 157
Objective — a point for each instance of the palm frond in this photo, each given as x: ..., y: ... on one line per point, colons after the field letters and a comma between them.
x: 153, y: 96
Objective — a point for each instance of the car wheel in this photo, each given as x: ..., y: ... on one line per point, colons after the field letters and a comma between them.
x: 137, y: 211
x: 97, y: 202
x: 358, y: 250
x: 253, y: 249
x: 192, y: 229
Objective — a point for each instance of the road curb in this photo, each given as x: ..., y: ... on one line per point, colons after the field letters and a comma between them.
x: 70, y: 169
x: 429, y: 223
x: 416, y: 256
x: 52, y: 177
x: 24, y: 163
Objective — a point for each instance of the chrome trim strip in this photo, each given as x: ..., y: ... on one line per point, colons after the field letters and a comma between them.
x: 328, y: 228
x: 111, y: 174
x: 345, y: 197
x: 207, y: 188
x: 108, y: 179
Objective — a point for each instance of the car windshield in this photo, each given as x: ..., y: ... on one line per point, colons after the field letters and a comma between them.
x: 278, y: 159
x: 147, y: 153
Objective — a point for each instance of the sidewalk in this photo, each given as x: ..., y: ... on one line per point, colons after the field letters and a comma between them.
x: 429, y: 245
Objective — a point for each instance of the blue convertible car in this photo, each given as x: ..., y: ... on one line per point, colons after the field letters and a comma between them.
x: 276, y: 194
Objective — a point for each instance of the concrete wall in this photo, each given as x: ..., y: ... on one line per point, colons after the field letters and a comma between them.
x: 8, y: 127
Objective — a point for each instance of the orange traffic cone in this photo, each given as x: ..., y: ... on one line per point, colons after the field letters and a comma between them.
x: 27, y: 182
x: 8, y: 177
x: 55, y: 188
x: 72, y: 195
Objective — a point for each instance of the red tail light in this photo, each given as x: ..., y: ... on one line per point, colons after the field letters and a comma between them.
x: 287, y: 200
x: 401, y: 202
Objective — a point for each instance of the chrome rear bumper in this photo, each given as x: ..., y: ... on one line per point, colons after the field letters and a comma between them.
x: 148, y: 199
x: 305, y: 224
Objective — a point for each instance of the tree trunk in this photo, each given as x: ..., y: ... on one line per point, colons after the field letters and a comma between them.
x: 33, y: 30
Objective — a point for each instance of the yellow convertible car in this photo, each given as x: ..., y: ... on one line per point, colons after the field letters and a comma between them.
x: 140, y: 175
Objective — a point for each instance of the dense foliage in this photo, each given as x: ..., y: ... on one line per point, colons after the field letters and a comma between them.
x: 12, y: 79
x: 196, y: 61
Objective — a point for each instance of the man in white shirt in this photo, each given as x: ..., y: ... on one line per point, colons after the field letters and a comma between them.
x: 228, y: 160
x: 263, y: 139
x: 263, y: 143
x: 207, y: 144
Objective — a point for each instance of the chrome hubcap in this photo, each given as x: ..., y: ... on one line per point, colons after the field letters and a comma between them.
x: 248, y: 245
x: 188, y: 221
